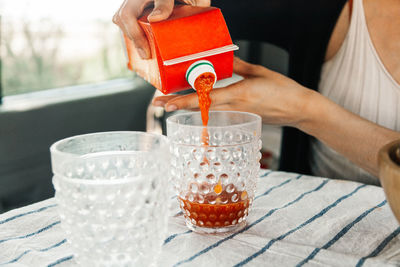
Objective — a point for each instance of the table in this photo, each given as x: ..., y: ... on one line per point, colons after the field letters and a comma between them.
x: 296, y: 220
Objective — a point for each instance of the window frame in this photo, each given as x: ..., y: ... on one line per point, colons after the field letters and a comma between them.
x: 36, y: 99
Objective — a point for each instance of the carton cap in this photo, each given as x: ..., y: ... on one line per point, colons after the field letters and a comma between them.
x: 197, y: 68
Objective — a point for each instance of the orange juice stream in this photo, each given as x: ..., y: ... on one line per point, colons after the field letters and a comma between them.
x: 203, y: 85
x: 228, y: 207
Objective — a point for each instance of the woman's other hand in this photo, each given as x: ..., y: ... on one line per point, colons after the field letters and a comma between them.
x: 276, y: 98
x: 130, y: 10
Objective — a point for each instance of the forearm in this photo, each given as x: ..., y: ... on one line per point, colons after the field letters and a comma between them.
x: 357, y: 139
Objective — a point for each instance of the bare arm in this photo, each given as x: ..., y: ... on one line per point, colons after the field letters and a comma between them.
x: 352, y: 136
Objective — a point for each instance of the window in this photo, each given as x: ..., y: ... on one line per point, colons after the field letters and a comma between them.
x: 53, y: 43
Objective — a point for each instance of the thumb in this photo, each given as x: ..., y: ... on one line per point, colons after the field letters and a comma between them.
x: 189, y: 101
x: 161, y: 11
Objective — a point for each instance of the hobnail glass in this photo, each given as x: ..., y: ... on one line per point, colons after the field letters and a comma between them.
x: 112, y: 197
x: 214, y: 169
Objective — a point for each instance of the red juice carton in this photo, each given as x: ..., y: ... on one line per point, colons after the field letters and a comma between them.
x: 189, y: 35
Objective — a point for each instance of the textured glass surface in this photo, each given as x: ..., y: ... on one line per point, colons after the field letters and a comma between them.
x: 214, y: 169
x: 111, y: 190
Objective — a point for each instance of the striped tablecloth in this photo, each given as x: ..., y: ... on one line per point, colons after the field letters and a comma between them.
x: 296, y: 220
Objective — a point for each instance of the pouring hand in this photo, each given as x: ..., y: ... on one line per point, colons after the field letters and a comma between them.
x: 276, y: 98
x: 130, y: 10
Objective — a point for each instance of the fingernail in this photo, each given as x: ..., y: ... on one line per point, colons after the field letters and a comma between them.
x: 158, y: 103
x: 170, y: 108
x: 155, y: 12
x: 142, y: 53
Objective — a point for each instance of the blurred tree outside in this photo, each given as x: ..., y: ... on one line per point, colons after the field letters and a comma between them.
x: 42, y: 55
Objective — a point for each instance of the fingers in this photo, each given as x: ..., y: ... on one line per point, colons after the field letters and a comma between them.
x: 175, y: 102
x: 126, y: 19
x: 204, y: 3
x: 162, y: 10
x: 219, y: 96
x: 160, y: 101
x: 223, y: 107
x: 136, y: 34
x: 189, y: 101
x: 166, y: 101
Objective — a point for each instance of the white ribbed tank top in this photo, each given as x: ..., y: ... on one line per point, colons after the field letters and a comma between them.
x: 356, y: 79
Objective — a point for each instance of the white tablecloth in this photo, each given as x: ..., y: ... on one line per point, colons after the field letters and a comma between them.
x: 295, y: 220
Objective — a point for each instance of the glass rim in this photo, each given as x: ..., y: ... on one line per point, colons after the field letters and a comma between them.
x: 54, y: 150
x: 100, y: 182
x: 213, y: 146
x: 256, y: 119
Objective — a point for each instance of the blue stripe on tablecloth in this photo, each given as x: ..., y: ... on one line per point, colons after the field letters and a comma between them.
x: 379, y: 248
x: 31, y: 234
x: 340, y: 234
x: 27, y: 213
x: 277, y: 186
x: 179, y: 213
x: 17, y: 258
x: 322, y: 184
x: 40, y: 250
x: 168, y: 239
x: 313, y: 218
x: 266, y: 174
x: 53, y: 246
x: 60, y: 261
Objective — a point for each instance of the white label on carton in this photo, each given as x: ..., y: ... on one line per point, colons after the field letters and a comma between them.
x: 203, y: 54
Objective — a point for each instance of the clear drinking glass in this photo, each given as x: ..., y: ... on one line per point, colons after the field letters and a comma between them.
x: 215, y: 169
x: 112, y: 197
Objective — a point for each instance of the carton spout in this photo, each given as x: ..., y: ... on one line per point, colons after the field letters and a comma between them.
x: 197, y: 69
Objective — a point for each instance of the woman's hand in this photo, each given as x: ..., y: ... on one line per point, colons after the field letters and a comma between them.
x: 130, y: 10
x: 276, y: 98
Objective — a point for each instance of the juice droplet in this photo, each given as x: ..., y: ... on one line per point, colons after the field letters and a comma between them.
x: 218, y: 188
